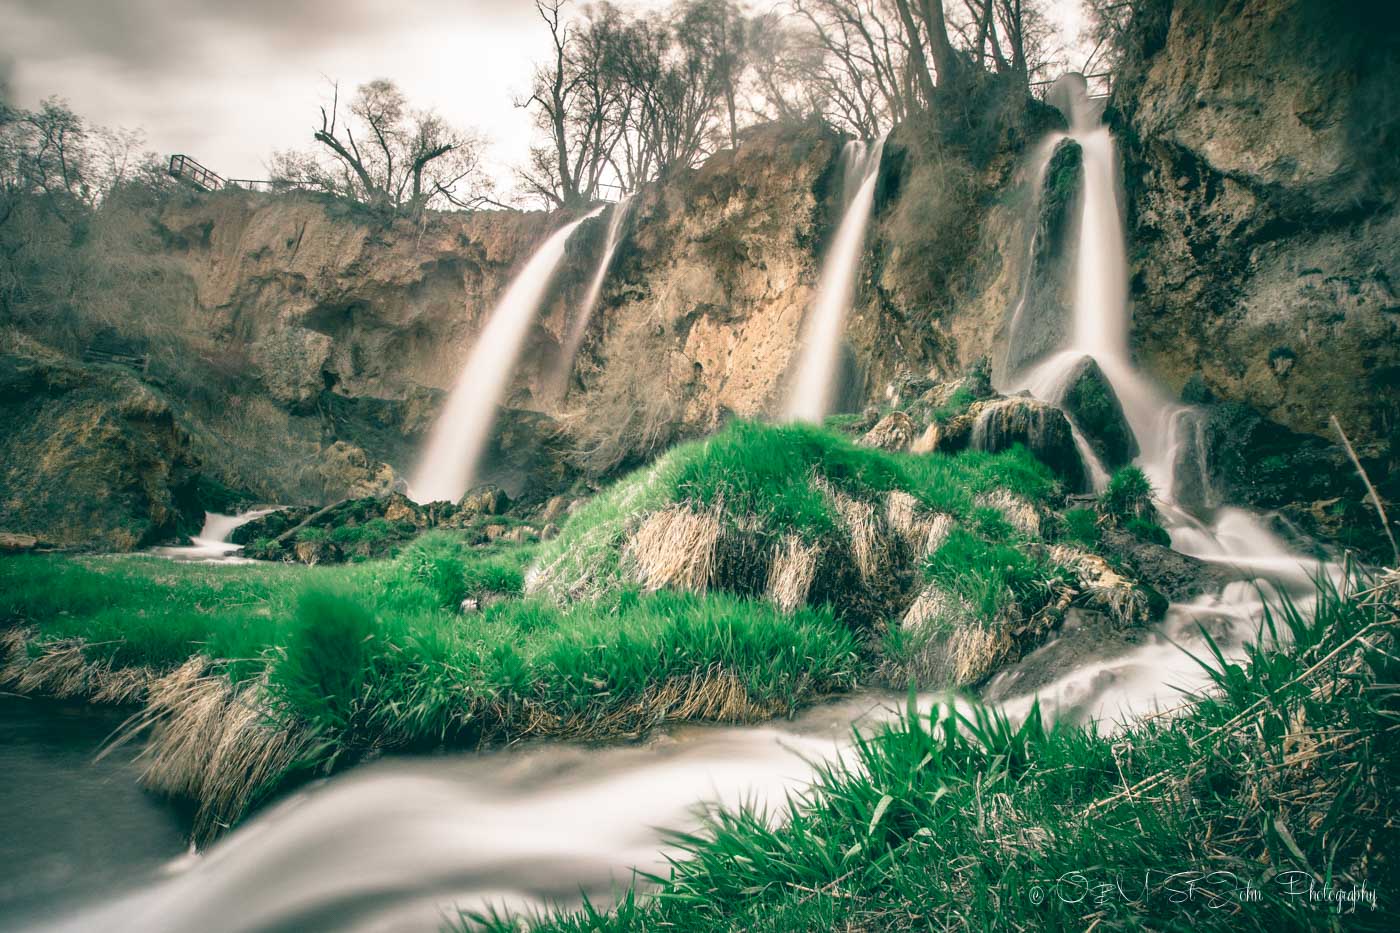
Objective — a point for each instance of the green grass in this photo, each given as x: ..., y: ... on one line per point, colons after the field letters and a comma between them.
x: 1081, y: 526
x: 375, y: 656
x: 1127, y: 495
x: 1278, y: 778
x: 763, y: 475
x: 991, y: 573
x: 442, y: 644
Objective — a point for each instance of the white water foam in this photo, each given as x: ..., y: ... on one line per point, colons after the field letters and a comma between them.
x: 212, y: 543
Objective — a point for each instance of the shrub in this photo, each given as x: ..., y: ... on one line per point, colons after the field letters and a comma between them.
x: 1082, y: 527
x: 322, y: 669
x: 1127, y: 495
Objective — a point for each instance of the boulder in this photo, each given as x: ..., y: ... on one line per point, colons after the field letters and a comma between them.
x: 894, y: 432
x: 484, y: 500
x: 1042, y: 428
x: 1175, y: 575
x: 347, y: 472
x: 1092, y: 403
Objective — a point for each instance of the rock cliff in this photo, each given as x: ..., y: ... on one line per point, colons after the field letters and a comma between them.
x: 1262, y: 161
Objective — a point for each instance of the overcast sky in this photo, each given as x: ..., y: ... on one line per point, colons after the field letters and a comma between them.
x: 229, y: 81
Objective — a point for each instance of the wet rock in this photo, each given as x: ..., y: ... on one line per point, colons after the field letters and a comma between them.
x: 894, y: 432
x: 1041, y: 320
x: 1091, y: 402
x: 1260, y: 171
x: 271, y: 525
x: 1253, y: 461
x: 400, y: 508
x: 347, y: 472
x: 313, y: 552
x: 1040, y: 427
x: 1176, y: 576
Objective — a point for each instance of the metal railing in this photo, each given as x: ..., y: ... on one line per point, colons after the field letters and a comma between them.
x: 188, y: 170
x: 191, y: 172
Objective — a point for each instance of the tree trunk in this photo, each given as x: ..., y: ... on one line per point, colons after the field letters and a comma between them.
x: 945, y: 60
x: 916, y: 52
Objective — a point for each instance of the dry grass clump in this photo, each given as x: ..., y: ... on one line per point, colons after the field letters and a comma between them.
x: 64, y: 670
x: 676, y: 547
x: 792, y: 572
x: 712, y: 695
x: 923, y: 532
x: 1019, y: 514
x: 865, y: 531
x: 214, y: 742
x: 1103, y: 587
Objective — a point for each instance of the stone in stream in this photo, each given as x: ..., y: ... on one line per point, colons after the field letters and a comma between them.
x: 1095, y: 408
x: 1041, y: 427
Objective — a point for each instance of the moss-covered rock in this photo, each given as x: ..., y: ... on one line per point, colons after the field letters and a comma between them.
x: 1092, y: 403
x: 90, y: 456
x: 1040, y: 427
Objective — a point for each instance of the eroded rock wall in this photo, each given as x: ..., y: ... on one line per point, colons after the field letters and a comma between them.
x: 1262, y: 162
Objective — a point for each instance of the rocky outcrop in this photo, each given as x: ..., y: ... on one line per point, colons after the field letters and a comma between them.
x: 1040, y: 427
x: 1090, y: 400
x: 92, y: 457
x: 1261, y: 164
x: 1038, y: 320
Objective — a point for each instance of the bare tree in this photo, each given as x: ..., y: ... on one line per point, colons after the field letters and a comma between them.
x: 573, y: 98
x: 384, y: 153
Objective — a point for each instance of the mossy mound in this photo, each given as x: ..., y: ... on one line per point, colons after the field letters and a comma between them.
x: 934, y: 555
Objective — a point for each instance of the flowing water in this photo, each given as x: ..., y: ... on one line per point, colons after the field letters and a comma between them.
x: 394, y: 845
x: 814, y: 383
x: 578, y: 328
x: 459, y: 437
x: 212, y: 544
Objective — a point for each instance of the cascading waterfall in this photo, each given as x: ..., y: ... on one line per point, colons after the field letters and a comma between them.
x: 1099, y: 324
x: 459, y: 437
x: 579, y: 326
x: 810, y: 397
x: 1170, y: 441
x: 212, y: 543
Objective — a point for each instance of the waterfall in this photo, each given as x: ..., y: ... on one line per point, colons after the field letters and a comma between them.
x: 459, y: 437
x: 1101, y: 314
x: 810, y: 398
x: 212, y: 543
x: 579, y: 327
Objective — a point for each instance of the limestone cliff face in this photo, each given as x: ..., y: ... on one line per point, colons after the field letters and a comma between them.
x: 699, y: 317
x: 1262, y: 165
